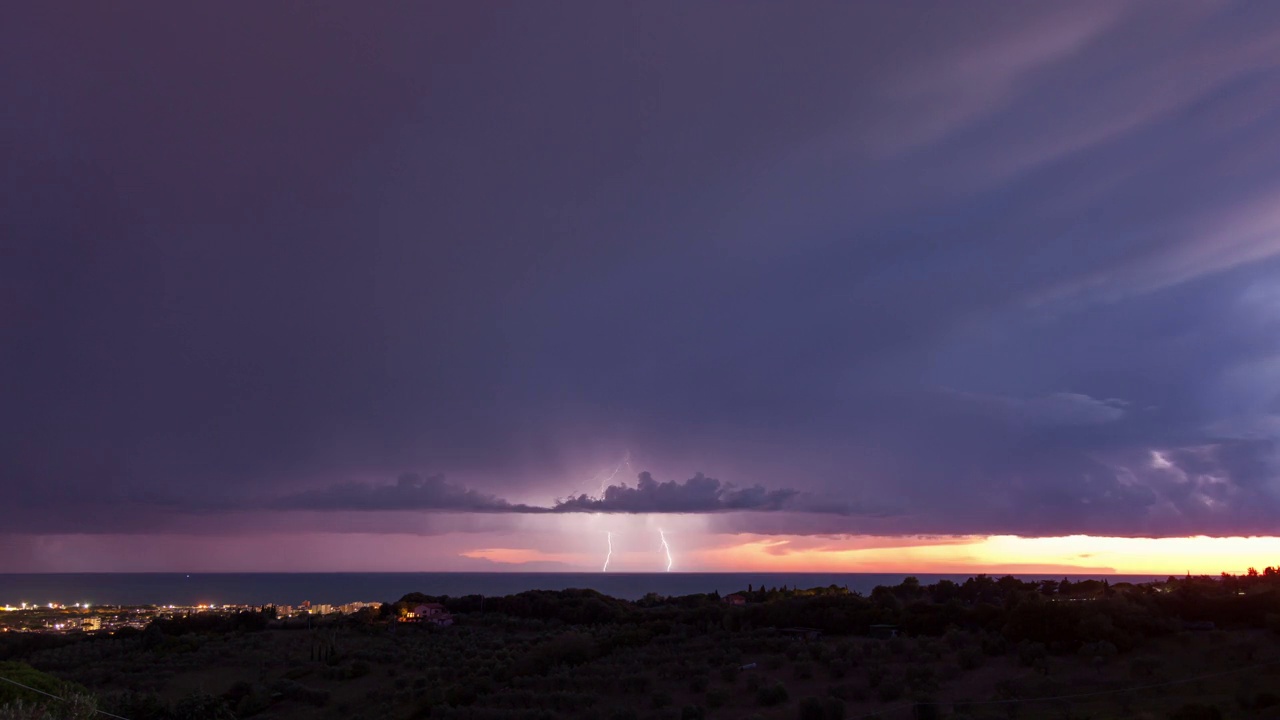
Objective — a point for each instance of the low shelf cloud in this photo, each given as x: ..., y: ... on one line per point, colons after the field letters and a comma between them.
x: 409, y: 492
x: 698, y: 494
x: 433, y: 493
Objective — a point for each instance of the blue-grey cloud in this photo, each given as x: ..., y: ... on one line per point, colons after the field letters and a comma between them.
x: 411, y: 492
x: 408, y: 492
x: 698, y: 494
x: 981, y: 265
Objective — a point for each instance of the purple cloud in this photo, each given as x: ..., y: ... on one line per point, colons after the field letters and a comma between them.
x: 506, y: 250
x: 698, y: 494
x: 409, y: 492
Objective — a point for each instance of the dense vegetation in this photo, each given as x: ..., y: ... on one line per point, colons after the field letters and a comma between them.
x: 983, y: 648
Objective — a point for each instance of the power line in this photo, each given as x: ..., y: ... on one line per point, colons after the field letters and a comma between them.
x: 55, y: 697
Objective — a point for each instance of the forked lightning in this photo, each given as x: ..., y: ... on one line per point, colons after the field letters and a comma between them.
x: 665, y: 547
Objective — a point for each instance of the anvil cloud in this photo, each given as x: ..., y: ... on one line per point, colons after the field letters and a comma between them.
x: 883, y: 269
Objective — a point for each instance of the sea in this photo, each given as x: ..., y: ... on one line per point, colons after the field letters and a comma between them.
x: 339, y: 588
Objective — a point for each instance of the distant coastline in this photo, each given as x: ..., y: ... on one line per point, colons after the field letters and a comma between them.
x: 337, y: 588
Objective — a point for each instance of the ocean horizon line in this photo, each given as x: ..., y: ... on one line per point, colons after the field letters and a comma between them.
x: 175, y: 588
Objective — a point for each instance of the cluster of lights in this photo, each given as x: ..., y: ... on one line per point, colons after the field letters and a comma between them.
x: 36, y: 606
x: 88, y: 606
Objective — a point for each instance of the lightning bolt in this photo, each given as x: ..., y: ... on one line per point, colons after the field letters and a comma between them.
x: 608, y: 535
x: 665, y: 547
x: 606, y: 481
x: 605, y: 476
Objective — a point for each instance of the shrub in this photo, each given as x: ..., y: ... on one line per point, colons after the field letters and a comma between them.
x: 1196, y: 711
x: 926, y: 711
x: 890, y: 689
x: 636, y: 684
x: 294, y: 691
x: 79, y: 707
x: 959, y: 639
x: 970, y: 658
x: 1103, y: 649
x: 921, y: 678
x: 847, y: 691
x: 771, y: 695
x: 811, y: 708
x: 660, y: 700
x: 206, y: 707
x: 692, y: 712
x: 29, y: 676
x: 1030, y: 652
x: 716, y: 698
x: 931, y: 649
x: 1265, y: 700
x: 1273, y: 622
x: 994, y: 645
x: 821, y: 708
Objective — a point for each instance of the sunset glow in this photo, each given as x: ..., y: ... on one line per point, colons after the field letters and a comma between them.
x: 1001, y: 553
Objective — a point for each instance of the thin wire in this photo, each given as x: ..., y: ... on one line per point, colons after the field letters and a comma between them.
x: 1076, y: 696
x: 55, y: 697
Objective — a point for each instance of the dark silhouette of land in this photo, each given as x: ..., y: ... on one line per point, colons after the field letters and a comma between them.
x: 1187, y: 648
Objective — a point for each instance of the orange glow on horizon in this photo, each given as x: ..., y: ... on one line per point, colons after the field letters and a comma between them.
x: 515, y: 556
x: 998, y: 553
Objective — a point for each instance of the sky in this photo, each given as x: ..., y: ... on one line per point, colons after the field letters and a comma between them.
x: 915, y: 286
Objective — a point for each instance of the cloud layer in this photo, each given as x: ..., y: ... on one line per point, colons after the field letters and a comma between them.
x: 934, y: 268
x: 698, y: 494
x: 409, y: 492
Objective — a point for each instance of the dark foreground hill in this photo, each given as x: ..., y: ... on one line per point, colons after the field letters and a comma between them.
x: 987, y: 648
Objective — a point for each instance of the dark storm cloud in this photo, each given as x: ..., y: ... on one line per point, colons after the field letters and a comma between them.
x: 409, y: 492
x: 1061, y: 408
x: 698, y: 494
x: 970, y: 266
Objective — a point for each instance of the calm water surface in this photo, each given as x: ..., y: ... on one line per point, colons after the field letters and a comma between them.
x: 293, y: 588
